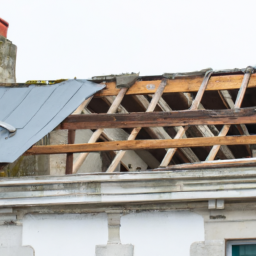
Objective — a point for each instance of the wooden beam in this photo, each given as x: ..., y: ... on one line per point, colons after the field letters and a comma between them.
x: 188, y: 84
x: 69, y: 160
x: 141, y: 144
x: 229, y: 103
x: 135, y: 131
x: 156, y: 119
x: 82, y: 106
x: 243, y: 162
x: 206, y: 130
x: 131, y: 156
x: 81, y: 158
x: 186, y: 154
x: 238, y: 103
x: 195, y: 104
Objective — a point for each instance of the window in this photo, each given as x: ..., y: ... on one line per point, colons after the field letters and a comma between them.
x: 241, y: 248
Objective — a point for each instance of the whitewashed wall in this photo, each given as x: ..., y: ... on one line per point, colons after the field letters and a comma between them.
x: 151, y: 233
x: 162, y: 233
x: 65, y: 235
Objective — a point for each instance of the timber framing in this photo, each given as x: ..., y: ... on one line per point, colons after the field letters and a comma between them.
x: 155, y: 119
x: 189, y: 84
x: 186, y: 127
x: 141, y: 144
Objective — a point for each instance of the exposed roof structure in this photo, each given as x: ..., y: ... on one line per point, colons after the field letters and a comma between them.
x: 173, y: 121
x: 186, y: 113
x: 34, y: 111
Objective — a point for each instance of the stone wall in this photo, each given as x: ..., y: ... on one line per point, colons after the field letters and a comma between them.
x: 8, y: 52
x: 110, y: 231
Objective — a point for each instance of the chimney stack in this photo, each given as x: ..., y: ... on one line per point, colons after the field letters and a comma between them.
x: 8, y: 52
x: 3, y: 27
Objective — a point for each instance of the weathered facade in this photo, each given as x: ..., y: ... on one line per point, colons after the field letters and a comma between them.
x: 108, y: 179
x: 186, y: 213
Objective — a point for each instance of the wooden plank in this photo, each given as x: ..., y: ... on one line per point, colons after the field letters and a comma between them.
x: 141, y: 144
x: 156, y: 119
x: 69, y: 160
x: 243, y: 162
x: 189, y: 84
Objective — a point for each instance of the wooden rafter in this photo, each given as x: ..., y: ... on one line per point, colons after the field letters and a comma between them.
x: 206, y: 130
x: 135, y: 131
x: 237, y: 105
x: 160, y: 133
x: 81, y: 158
x: 229, y: 103
x: 141, y: 144
x: 171, y: 151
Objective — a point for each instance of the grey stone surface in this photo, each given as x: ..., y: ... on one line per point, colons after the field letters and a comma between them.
x: 208, y: 248
x: 114, y: 250
x: 8, y: 52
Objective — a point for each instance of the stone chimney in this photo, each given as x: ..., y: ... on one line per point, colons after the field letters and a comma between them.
x: 8, y: 53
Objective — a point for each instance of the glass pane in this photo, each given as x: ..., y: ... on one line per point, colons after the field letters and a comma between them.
x: 244, y: 250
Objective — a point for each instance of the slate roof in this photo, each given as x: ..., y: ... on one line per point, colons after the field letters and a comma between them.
x: 36, y: 110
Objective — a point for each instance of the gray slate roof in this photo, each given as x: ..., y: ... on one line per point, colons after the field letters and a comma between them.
x: 37, y: 110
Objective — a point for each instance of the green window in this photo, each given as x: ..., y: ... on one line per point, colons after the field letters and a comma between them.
x: 244, y: 250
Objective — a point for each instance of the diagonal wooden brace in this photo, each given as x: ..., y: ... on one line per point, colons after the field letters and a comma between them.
x: 238, y: 104
x: 195, y: 104
x: 135, y: 131
x: 81, y: 158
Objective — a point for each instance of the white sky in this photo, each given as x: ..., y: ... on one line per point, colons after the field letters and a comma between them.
x: 67, y: 38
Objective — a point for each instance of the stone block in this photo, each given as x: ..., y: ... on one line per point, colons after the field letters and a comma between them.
x: 114, y: 250
x: 208, y: 248
x: 17, y: 251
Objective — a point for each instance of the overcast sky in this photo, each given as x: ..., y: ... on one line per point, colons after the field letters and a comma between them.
x: 81, y: 38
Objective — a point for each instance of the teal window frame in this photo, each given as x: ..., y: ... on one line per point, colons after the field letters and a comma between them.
x: 230, y: 243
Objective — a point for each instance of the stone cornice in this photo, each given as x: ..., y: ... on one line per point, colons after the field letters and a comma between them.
x: 123, y: 188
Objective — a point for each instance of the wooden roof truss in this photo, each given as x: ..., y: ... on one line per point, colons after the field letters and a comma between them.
x: 158, y: 115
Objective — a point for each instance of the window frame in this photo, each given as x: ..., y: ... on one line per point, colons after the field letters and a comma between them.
x: 230, y: 242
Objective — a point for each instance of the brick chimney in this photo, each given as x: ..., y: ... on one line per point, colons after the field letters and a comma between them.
x: 8, y: 52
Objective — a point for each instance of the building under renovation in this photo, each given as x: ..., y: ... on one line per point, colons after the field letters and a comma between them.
x: 127, y: 165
